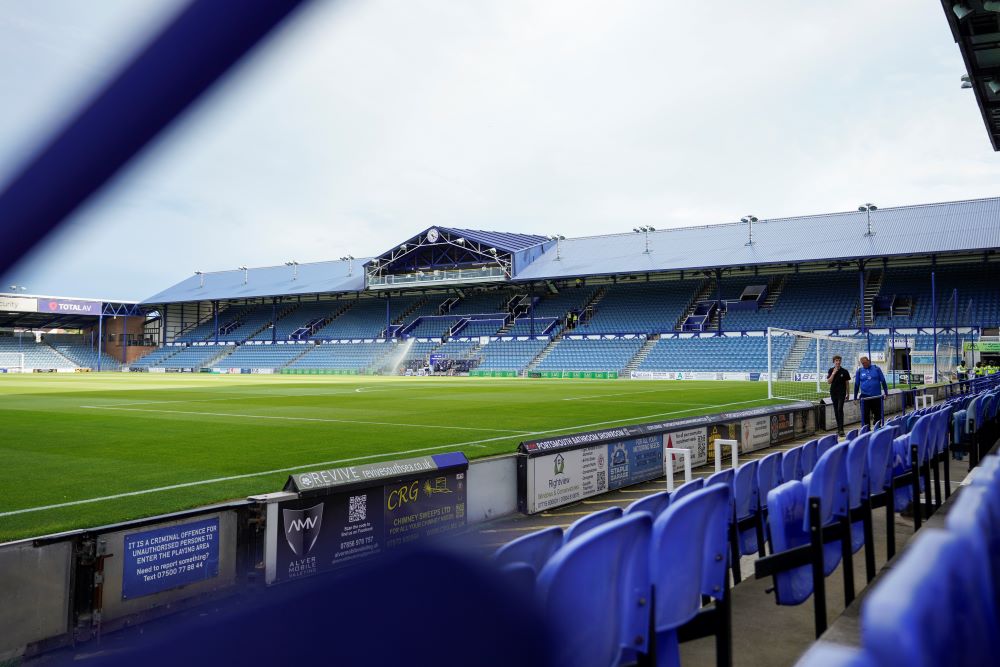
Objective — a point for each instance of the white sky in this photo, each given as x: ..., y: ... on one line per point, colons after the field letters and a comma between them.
x: 361, y: 123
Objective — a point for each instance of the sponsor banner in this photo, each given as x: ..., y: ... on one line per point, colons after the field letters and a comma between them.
x: 736, y: 376
x: 565, y: 477
x: 693, y: 375
x: 261, y: 371
x: 755, y: 434
x: 724, y: 431
x: 69, y: 306
x: 156, y: 369
x: 318, y: 534
x: 695, y: 439
x: 634, y: 461
x: 164, y: 558
x: 18, y: 304
x: 981, y: 346
x: 326, y: 480
x: 805, y: 377
x: 754, y: 377
x: 782, y: 427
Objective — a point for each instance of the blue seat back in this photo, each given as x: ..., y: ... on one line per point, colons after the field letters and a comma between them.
x: 828, y: 482
x: 857, y: 470
x: 880, y: 459
x: 930, y: 608
x: 687, y: 538
x: 824, y: 444
x: 593, y: 520
x: 613, y: 560
x: 687, y: 488
x: 768, y: 475
x: 828, y: 654
x: 654, y: 504
x: 520, y: 577
x: 790, y: 464
x: 977, y: 512
x: 807, y: 461
x: 852, y: 434
x: 786, y: 520
x: 958, y: 419
x: 745, y: 502
x: 533, y: 549
x: 921, y: 435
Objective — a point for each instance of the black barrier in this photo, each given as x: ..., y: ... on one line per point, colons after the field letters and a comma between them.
x: 553, y: 472
x: 341, y: 515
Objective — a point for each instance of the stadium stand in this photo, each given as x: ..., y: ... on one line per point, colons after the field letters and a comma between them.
x: 509, y: 355
x: 590, y: 355
x: 195, y: 356
x: 356, y: 357
x: 86, y: 357
x: 744, y: 354
x: 262, y: 356
x: 638, y: 308
x: 36, y: 355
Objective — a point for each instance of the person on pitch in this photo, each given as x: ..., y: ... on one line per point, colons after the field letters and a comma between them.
x: 868, y: 379
x: 838, y: 377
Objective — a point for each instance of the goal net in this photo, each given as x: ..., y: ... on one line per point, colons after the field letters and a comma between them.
x: 948, y: 356
x: 797, y: 361
x: 11, y: 362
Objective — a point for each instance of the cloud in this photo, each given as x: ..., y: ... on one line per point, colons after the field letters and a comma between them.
x: 361, y: 123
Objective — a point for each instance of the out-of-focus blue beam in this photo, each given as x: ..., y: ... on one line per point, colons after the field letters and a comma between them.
x: 179, y: 64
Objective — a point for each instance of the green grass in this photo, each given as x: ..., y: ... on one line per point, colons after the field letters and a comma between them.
x: 71, y: 438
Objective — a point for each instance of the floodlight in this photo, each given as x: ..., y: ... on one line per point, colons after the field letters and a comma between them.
x: 966, y: 84
x: 961, y: 10
x: 994, y: 86
x: 991, y: 6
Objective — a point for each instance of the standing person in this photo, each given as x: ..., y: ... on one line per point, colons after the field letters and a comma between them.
x: 867, y: 381
x: 838, y: 377
x: 962, y: 372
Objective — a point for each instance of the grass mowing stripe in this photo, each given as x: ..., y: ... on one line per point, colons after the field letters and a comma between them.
x: 326, y: 463
x: 301, y: 419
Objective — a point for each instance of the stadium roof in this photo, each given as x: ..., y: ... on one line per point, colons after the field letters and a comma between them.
x: 43, y: 311
x: 907, y: 230
x: 502, y: 241
x: 310, y: 278
x: 922, y: 230
x: 976, y: 30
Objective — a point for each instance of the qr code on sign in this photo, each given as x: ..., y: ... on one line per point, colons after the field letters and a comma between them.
x: 357, y: 509
x: 602, y: 479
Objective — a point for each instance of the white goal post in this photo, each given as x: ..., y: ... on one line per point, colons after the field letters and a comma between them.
x: 797, y: 361
x: 12, y: 362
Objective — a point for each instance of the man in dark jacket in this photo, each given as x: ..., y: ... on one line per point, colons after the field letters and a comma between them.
x: 868, y: 380
x: 838, y: 377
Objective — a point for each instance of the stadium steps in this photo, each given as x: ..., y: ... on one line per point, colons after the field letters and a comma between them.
x: 703, y: 294
x: 586, y: 310
x: 412, y: 309
x: 641, y: 355
x: 774, y: 288
x: 71, y: 362
x: 873, y: 285
x: 794, y: 358
x: 541, y: 355
x: 228, y: 349
x: 305, y: 350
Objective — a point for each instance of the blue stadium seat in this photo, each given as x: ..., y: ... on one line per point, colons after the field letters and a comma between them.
x: 827, y: 654
x: 591, y: 521
x: 613, y: 607
x: 810, y: 454
x: 654, y: 504
x: 533, y: 549
x: 750, y: 529
x: 687, y: 561
x: 687, y: 488
x: 791, y: 468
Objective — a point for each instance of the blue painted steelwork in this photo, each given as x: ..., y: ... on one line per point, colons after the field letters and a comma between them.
x: 164, y: 79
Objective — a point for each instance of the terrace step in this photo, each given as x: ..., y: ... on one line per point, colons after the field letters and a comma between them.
x: 641, y: 355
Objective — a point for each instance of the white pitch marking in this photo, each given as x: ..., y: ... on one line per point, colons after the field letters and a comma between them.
x: 217, y: 480
x: 471, y: 443
x: 302, y: 419
x: 629, y: 393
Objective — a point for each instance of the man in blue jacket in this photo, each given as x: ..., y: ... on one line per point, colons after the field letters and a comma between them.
x: 870, y: 382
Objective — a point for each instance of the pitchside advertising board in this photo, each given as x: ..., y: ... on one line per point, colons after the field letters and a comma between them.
x: 164, y: 558
x: 559, y: 471
x: 345, y: 514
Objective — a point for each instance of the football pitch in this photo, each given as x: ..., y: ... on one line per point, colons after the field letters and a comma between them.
x: 87, y: 450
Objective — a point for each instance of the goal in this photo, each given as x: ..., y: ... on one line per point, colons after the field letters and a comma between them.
x: 797, y: 361
x: 11, y: 362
